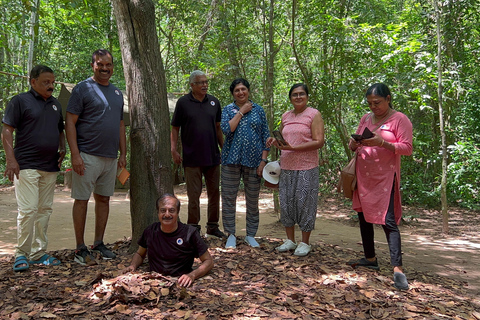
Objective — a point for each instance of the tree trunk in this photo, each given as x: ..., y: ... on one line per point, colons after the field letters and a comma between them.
x: 33, y: 33
x: 149, y: 116
x: 443, y: 184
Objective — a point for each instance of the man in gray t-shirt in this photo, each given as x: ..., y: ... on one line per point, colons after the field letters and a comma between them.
x: 95, y: 132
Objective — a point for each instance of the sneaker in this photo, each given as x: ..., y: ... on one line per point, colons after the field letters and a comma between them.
x: 104, y: 252
x: 251, y: 242
x: 83, y: 256
x: 400, y: 281
x: 215, y: 233
x: 231, y: 242
x: 287, y: 246
x: 364, y: 263
x: 302, y: 249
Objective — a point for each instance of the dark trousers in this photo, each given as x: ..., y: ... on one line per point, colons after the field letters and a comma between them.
x: 193, y: 177
x: 391, y: 232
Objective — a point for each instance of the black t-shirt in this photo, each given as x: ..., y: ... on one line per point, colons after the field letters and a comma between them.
x: 38, y: 124
x: 100, y: 110
x: 172, y: 253
x: 197, y: 121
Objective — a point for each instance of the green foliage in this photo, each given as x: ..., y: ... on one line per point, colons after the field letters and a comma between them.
x: 340, y: 49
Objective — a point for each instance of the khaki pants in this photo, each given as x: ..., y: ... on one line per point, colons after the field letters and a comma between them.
x: 34, y: 191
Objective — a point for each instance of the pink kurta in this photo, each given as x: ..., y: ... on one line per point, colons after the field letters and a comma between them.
x: 377, y: 166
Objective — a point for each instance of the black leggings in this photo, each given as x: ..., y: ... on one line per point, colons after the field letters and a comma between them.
x: 391, y: 232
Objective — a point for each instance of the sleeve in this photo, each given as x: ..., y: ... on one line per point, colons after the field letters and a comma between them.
x: 404, y: 134
x: 142, y: 242
x: 200, y: 245
x: 13, y: 113
x: 61, y: 124
x: 227, y: 115
x: 177, y: 114
x: 75, y: 103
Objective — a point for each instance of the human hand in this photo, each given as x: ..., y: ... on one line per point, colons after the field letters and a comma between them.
x: 270, y: 141
x: 127, y: 269
x: 78, y: 165
x: 247, y: 107
x: 185, y: 280
x: 122, y: 161
x: 376, y: 140
x: 260, y: 168
x: 12, y: 170
x: 61, y: 156
x: 176, y: 157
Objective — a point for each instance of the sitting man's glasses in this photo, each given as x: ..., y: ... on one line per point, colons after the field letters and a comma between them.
x: 201, y: 82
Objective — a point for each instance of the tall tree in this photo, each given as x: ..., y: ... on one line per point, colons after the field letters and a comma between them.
x: 147, y: 95
x: 443, y: 184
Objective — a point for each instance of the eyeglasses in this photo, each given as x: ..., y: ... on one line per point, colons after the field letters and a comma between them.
x: 201, y: 83
x: 299, y: 95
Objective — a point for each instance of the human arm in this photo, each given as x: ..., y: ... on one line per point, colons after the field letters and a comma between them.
x: 244, y: 109
x: 219, y: 134
x: 173, y: 145
x: 122, y: 160
x: 318, y: 137
x: 137, y: 260
x: 71, y: 132
x: 186, y: 280
x: 262, y: 163
x: 12, y: 168
x: 61, y: 148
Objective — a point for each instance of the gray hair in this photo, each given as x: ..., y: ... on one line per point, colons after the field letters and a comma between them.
x: 195, y: 74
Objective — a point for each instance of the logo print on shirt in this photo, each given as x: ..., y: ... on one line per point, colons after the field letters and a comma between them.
x: 118, y: 93
x: 179, y: 241
x: 212, y: 103
x: 54, y: 107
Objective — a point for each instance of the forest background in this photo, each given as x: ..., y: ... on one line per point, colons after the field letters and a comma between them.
x: 338, y: 48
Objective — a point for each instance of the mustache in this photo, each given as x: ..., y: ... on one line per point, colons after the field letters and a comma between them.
x: 50, y: 89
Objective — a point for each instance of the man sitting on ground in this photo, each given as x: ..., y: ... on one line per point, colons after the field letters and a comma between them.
x: 172, y: 245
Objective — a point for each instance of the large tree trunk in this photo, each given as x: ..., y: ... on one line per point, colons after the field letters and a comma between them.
x: 149, y: 116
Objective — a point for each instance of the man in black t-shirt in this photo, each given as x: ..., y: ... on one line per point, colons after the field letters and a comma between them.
x: 36, y: 118
x: 196, y: 120
x: 172, y: 245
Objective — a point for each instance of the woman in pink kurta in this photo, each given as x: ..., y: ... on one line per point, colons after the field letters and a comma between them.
x: 377, y: 197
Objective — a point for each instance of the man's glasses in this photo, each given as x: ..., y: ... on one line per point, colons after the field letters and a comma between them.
x: 201, y: 82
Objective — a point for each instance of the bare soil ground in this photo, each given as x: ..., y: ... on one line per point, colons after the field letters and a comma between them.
x: 434, y: 262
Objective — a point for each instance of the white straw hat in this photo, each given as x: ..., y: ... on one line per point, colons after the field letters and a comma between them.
x: 271, y: 172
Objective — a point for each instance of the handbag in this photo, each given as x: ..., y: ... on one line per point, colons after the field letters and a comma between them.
x: 348, y: 178
x: 348, y: 175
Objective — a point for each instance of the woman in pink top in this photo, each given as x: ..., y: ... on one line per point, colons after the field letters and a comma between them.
x: 303, y: 131
x: 377, y: 197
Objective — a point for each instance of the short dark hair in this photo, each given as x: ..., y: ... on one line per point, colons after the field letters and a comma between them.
x: 238, y: 81
x: 101, y: 52
x: 295, y: 86
x: 381, y: 90
x: 38, y: 70
x: 164, y: 197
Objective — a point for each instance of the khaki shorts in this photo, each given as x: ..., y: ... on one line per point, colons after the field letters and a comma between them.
x: 99, y: 177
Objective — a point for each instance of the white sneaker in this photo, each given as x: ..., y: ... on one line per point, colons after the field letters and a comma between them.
x: 251, y: 242
x: 302, y: 249
x: 231, y: 242
x: 287, y: 246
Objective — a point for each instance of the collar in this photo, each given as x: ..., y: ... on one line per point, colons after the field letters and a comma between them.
x: 39, y: 97
x: 190, y: 94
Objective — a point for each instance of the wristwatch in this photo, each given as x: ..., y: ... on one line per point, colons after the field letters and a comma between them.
x: 265, y: 160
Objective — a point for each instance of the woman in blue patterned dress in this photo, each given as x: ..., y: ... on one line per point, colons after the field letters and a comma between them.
x: 244, y: 154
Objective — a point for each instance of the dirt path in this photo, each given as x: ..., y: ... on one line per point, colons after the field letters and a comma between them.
x: 425, y: 249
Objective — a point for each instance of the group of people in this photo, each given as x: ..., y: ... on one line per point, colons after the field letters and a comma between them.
x: 240, y: 130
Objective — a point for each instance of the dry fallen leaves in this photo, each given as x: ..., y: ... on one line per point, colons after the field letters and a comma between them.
x: 246, y: 283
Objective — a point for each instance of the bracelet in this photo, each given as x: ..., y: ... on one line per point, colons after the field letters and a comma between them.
x: 241, y: 113
x: 383, y: 141
x: 265, y: 160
